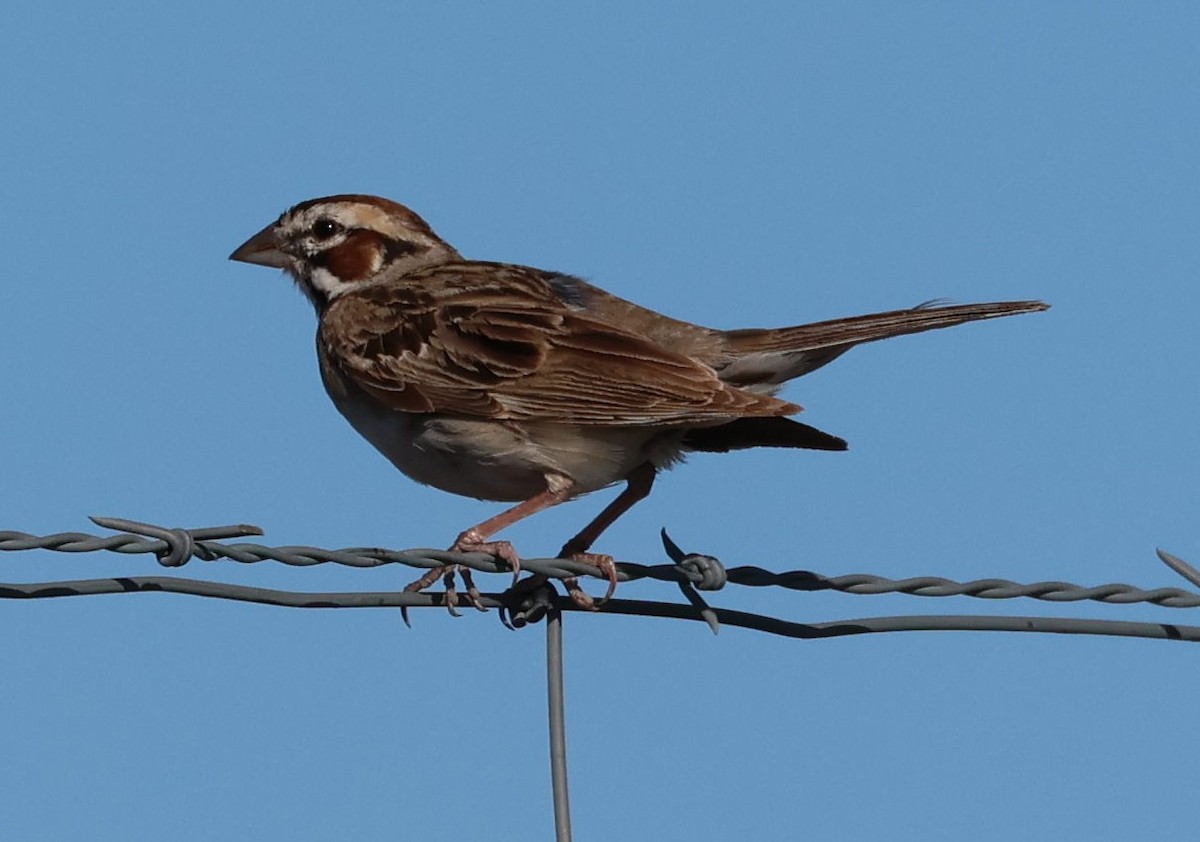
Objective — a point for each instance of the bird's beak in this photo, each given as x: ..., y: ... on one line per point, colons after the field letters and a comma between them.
x: 263, y: 249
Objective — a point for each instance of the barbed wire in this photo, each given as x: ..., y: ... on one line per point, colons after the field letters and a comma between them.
x: 524, y: 604
x: 534, y: 599
x: 175, y: 547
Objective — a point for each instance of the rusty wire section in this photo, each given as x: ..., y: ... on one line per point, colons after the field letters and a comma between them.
x: 175, y: 547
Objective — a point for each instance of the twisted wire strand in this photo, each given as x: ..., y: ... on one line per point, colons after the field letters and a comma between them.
x: 200, y: 544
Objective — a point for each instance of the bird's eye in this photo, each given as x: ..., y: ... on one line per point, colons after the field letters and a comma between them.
x: 325, y: 228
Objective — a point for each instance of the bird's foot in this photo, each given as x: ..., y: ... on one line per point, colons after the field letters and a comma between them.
x: 578, y: 595
x: 472, y: 542
x: 607, y: 567
x: 446, y: 574
x: 474, y: 598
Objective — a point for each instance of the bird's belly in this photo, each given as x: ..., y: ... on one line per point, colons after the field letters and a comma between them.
x: 502, y: 460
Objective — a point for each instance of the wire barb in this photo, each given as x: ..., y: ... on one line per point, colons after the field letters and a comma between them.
x: 1180, y: 566
x: 179, y: 545
x: 710, y: 571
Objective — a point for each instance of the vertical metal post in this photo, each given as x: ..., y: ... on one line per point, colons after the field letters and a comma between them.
x: 558, y: 726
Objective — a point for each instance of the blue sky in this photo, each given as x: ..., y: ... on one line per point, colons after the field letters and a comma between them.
x: 732, y: 164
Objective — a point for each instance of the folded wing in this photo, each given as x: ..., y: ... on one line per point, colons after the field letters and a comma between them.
x: 513, y: 351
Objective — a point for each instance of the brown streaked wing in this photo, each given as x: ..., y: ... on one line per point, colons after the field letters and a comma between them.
x: 441, y: 341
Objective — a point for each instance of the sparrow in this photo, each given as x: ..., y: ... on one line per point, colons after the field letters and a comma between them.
x: 510, y: 383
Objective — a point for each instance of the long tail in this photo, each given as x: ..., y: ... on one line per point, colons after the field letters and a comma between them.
x: 770, y: 356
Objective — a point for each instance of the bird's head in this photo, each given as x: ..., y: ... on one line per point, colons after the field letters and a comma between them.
x: 338, y: 243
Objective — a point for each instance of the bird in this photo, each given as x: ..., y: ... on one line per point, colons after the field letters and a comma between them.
x: 515, y: 384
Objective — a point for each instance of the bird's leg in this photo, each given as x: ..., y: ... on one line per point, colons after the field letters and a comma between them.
x: 637, y: 487
x: 474, y: 540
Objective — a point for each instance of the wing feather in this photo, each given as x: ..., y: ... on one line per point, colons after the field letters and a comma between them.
x: 450, y: 341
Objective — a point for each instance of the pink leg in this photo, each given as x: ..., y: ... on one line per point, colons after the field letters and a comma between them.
x: 474, y: 540
x: 637, y: 487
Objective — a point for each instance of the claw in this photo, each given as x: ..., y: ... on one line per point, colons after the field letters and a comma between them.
x: 473, y: 595
x: 471, y: 542
x: 578, y: 595
x: 451, y: 593
x: 464, y: 544
x: 446, y: 574
x: 607, y: 566
x: 427, y: 579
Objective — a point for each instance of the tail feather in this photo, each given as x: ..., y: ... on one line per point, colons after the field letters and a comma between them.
x: 770, y: 356
x: 760, y: 432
